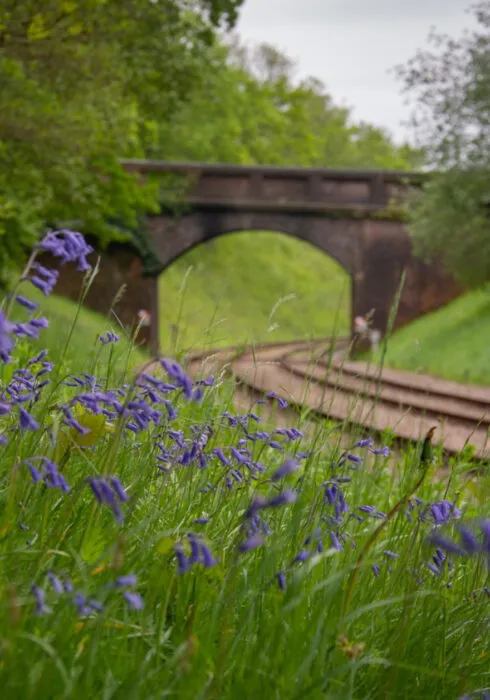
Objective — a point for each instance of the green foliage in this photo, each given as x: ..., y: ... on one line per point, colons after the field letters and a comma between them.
x: 453, y: 342
x: 250, y: 109
x: 84, y: 83
x: 451, y: 88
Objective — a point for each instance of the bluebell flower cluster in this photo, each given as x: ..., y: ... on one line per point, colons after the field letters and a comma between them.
x: 199, y: 553
x: 110, y: 492
x: 43, y: 470
x: 63, y: 589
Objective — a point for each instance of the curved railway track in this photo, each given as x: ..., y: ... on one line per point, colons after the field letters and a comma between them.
x: 318, y: 376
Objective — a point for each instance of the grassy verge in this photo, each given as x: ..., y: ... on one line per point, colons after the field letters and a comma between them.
x: 453, y: 342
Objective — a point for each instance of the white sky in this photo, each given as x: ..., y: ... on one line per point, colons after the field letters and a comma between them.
x: 351, y: 45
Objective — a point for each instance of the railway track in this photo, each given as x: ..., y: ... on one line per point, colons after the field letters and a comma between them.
x: 318, y: 376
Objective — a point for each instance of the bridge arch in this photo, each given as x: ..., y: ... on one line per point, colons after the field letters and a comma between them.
x: 263, y: 285
x: 338, y: 238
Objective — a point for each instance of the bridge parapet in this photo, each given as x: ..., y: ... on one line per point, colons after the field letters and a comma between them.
x: 312, y: 191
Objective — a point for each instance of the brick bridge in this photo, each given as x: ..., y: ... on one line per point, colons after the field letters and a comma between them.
x: 350, y: 215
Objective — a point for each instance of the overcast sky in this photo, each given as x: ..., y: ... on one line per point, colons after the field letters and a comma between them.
x: 351, y: 45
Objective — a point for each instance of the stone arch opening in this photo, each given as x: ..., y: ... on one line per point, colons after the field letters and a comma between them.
x: 252, y: 285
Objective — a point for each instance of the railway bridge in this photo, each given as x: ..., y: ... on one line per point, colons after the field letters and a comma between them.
x: 352, y: 215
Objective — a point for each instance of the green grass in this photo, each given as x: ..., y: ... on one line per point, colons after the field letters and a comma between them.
x: 453, y: 342
x: 73, y: 332
x: 226, y: 630
x: 232, y: 285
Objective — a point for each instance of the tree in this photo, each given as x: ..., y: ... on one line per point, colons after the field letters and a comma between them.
x: 251, y: 110
x: 84, y: 84
x: 450, y: 85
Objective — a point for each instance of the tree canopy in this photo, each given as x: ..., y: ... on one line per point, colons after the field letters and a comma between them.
x: 86, y: 83
x: 450, y: 86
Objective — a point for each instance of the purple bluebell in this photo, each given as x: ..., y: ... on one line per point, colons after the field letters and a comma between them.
x: 55, y: 582
x: 282, y: 403
x: 182, y: 561
x: 446, y: 544
x: 209, y: 381
x: 69, y: 246
x: 304, y: 555
x: 221, y: 456
x: 26, y: 303
x: 444, y: 511
x: 108, y: 494
x: 289, y: 466
x: 46, y: 472
x: 383, y: 451
x: 390, y: 555
x: 376, y: 569
x: 207, y: 558
x: 109, y: 337
x: 201, y: 521
x: 6, y: 339
x: 81, y: 604
x: 273, y: 444
x: 127, y: 580
x: 282, y: 499
x: 336, y: 543
x: 38, y: 358
x: 252, y: 542
x: 40, y: 598
x: 355, y: 459
x: 281, y: 580
x: 119, y: 489
x: 435, y: 569
x: 134, y: 600
x: 367, y: 442
x: 45, y: 279
x: 26, y: 421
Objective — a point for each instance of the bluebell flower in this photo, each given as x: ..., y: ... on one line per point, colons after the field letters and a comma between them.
x: 367, y: 442
x: 109, y: 337
x: 303, y: 556
x: 69, y: 246
x: 221, y: 456
x: 40, y: 598
x: 26, y: 303
x: 391, y: 555
x: 6, y: 339
x: 111, y: 495
x: 182, y: 561
x: 252, y: 542
x: 134, y: 600
x: 444, y: 511
x: 336, y: 543
x: 201, y: 521
x: 376, y: 569
x: 282, y: 499
x: 289, y: 466
x: 81, y: 604
x: 128, y: 580
x: 26, y: 421
x: 383, y: 451
x: 45, y: 280
x: 281, y: 580
x: 55, y: 582
x: 47, y: 472
x: 282, y: 403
